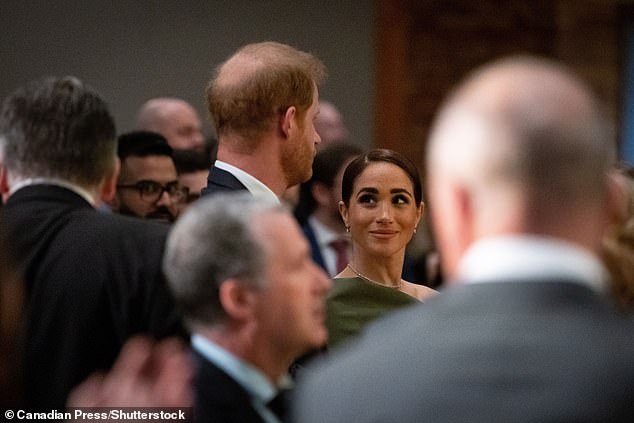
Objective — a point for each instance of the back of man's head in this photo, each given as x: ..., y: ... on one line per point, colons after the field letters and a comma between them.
x: 526, y: 143
x: 330, y: 125
x: 259, y: 82
x: 142, y: 144
x: 189, y: 161
x: 57, y: 128
x: 212, y: 242
x: 175, y: 119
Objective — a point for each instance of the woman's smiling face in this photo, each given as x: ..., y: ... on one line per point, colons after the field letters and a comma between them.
x: 382, y: 212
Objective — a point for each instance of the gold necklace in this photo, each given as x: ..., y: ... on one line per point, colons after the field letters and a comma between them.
x: 362, y: 276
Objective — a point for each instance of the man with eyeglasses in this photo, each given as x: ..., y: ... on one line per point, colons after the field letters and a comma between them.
x: 148, y: 184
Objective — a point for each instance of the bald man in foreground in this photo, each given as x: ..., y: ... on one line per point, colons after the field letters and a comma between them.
x: 518, y: 161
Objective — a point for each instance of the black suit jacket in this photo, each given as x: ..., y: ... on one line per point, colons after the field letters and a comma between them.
x: 92, y: 280
x: 219, y: 180
x: 218, y: 398
x: 315, y: 251
x: 490, y: 352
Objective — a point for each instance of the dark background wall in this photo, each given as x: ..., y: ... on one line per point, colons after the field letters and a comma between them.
x: 391, y: 61
x: 426, y: 47
x: 131, y: 50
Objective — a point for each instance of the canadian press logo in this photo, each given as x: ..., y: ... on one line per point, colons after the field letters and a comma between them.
x: 105, y: 414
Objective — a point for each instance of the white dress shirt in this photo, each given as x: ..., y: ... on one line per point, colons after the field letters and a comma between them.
x: 501, y: 259
x: 324, y: 236
x: 56, y: 182
x: 255, y: 186
x: 250, y: 378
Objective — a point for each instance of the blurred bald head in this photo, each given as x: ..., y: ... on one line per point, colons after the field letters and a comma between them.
x: 522, y: 146
x: 173, y: 118
x: 330, y: 125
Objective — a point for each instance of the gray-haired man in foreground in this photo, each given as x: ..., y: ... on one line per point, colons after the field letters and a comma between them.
x: 252, y: 297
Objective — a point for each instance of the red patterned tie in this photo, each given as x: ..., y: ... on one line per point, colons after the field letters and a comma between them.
x: 341, y: 249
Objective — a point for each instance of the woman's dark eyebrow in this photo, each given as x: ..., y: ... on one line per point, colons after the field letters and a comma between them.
x: 399, y: 191
x: 369, y: 189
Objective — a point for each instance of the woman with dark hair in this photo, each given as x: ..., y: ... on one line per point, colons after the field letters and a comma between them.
x: 381, y: 207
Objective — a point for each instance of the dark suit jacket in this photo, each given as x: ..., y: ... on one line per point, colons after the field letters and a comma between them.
x: 219, y: 180
x: 491, y: 352
x: 92, y: 280
x: 315, y: 251
x: 218, y: 398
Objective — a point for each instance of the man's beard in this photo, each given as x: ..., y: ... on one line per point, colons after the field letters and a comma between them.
x: 297, y: 163
x: 162, y: 214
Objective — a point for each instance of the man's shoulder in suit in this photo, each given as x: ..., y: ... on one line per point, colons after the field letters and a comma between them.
x: 218, y: 397
x: 219, y: 180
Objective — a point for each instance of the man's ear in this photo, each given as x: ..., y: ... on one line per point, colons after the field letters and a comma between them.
x: 237, y: 299
x: 287, y: 121
x: 467, y: 213
x: 4, y: 184
x: 617, y: 202
x: 108, y: 188
x: 4, y: 180
x: 453, y: 220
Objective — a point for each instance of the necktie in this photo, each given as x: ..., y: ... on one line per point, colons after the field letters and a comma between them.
x: 341, y: 249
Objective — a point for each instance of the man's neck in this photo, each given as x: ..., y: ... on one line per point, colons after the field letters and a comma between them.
x: 246, y: 347
x: 261, y: 162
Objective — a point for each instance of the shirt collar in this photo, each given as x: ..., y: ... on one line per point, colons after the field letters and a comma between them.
x: 323, y: 234
x: 249, y: 377
x: 530, y: 257
x: 57, y: 182
x: 255, y: 186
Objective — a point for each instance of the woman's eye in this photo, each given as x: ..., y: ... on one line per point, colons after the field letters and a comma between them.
x: 400, y: 199
x: 366, y: 199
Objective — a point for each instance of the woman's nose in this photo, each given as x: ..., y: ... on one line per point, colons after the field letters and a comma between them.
x: 385, y: 213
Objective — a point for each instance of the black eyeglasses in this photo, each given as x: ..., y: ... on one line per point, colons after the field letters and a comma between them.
x: 151, y: 191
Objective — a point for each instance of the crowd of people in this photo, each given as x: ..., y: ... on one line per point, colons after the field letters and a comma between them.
x: 263, y: 276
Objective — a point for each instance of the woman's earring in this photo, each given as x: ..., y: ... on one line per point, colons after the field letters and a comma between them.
x: 415, y: 230
x: 347, y: 228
